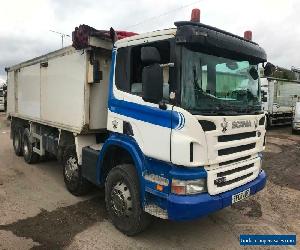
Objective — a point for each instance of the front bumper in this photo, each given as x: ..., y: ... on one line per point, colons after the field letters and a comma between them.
x: 195, y: 206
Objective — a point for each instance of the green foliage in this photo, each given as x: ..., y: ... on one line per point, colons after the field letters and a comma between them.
x: 284, y: 74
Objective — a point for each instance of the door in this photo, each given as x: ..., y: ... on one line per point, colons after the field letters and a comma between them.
x: 129, y: 114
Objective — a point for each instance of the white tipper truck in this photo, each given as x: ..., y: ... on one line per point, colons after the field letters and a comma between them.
x: 296, y: 118
x: 279, y: 97
x: 169, y: 122
x: 2, y: 98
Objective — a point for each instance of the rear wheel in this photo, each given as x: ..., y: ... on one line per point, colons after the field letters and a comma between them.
x: 17, y: 141
x: 122, y: 197
x: 75, y: 182
x: 29, y: 156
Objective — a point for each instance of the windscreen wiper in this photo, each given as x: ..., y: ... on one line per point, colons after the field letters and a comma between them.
x: 253, y: 108
x: 226, y: 107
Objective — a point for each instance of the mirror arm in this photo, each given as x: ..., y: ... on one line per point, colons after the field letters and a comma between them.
x: 170, y: 65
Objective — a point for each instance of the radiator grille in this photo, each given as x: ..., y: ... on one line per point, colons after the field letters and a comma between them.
x: 235, y: 170
x: 235, y: 160
x: 233, y: 180
x: 234, y: 137
x: 228, y: 177
x: 232, y: 150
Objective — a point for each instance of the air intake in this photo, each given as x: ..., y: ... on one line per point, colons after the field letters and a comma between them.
x: 207, y: 125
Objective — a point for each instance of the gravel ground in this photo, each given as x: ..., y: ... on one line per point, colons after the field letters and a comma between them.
x: 36, y: 211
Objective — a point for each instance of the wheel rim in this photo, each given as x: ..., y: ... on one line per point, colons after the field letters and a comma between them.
x: 26, y: 147
x: 121, y: 202
x: 16, y: 141
x: 71, y: 170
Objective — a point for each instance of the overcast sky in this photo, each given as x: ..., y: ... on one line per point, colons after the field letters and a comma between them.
x: 25, y: 25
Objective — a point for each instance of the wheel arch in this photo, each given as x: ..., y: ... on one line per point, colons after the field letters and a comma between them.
x: 17, y: 123
x: 128, y: 149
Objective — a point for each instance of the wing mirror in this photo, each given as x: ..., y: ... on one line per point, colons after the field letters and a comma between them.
x: 152, y: 75
x: 269, y: 68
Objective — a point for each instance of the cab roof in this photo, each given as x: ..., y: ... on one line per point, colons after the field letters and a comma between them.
x: 146, y: 37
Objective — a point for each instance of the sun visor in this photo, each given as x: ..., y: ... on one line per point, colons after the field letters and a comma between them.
x: 198, y: 36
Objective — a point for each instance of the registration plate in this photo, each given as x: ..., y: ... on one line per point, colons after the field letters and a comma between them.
x: 240, y: 196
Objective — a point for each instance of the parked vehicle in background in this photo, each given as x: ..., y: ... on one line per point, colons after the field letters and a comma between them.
x: 2, y: 99
x: 278, y: 99
x: 169, y: 122
x: 296, y: 119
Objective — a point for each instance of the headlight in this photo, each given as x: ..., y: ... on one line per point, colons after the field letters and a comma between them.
x: 181, y: 187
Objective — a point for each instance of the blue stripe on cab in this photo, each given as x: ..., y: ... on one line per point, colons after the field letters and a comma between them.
x: 145, y: 113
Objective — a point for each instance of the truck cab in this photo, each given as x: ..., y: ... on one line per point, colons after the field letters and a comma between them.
x: 188, y: 101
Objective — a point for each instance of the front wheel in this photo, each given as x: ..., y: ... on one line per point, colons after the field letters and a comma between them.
x: 122, y: 197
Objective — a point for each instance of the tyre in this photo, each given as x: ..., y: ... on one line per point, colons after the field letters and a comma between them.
x: 122, y: 197
x: 268, y: 123
x: 75, y: 182
x: 17, y: 141
x: 29, y: 156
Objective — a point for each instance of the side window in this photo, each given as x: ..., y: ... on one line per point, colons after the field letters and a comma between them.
x: 129, y: 68
x: 122, y: 73
x: 136, y: 85
x: 203, y: 77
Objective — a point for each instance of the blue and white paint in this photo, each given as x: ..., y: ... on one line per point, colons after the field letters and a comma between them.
x: 151, y: 125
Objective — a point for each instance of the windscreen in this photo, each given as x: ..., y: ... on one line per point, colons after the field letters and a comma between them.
x: 214, y: 83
